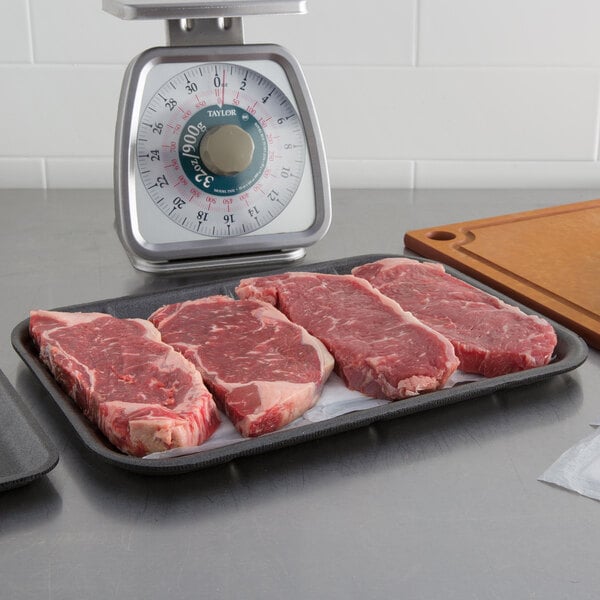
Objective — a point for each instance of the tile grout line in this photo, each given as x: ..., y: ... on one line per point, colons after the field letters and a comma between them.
x: 415, y: 63
x: 415, y: 44
x: 30, y: 30
x: 44, y: 173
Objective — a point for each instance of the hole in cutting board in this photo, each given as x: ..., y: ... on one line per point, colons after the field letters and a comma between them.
x: 441, y: 236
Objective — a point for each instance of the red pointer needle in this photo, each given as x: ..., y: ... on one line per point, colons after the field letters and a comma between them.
x: 223, y: 92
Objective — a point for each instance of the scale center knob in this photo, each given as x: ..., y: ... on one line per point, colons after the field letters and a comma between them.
x: 226, y: 149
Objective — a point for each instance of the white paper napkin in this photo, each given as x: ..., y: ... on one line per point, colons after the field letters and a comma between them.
x: 578, y: 468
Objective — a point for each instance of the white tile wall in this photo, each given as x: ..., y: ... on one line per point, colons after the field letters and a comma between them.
x: 546, y: 33
x: 411, y: 93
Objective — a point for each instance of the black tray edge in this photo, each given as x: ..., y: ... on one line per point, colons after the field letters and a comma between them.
x: 571, y: 352
x: 9, y: 394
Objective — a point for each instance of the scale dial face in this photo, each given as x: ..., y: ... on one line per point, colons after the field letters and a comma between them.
x: 218, y: 153
x: 220, y: 149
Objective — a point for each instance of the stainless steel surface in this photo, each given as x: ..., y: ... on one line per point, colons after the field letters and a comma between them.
x: 192, y: 9
x: 205, y: 32
x: 442, y: 504
x: 210, y: 264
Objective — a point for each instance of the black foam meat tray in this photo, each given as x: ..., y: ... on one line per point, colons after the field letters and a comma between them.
x: 571, y: 351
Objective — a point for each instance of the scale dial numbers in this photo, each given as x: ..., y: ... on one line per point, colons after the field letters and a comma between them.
x: 220, y: 149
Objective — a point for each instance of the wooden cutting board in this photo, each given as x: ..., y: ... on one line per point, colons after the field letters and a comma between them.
x: 548, y: 259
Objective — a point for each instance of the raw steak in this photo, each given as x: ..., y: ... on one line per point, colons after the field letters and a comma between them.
x: 489, y: 336
x: 142, y: 394
x: 263, y: 370
x: 379, y: 349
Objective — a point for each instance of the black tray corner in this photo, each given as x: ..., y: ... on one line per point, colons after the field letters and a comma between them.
x: 26, y: 450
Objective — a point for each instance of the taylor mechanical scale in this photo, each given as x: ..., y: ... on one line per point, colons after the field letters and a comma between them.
x: 219, y: 159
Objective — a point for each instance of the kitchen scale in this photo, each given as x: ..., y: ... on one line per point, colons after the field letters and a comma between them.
x: 219, y: 160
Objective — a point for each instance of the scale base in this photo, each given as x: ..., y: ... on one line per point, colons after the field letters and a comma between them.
x: 212, y: 263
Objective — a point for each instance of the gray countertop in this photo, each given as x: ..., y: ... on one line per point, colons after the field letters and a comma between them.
x: 442, y: 504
